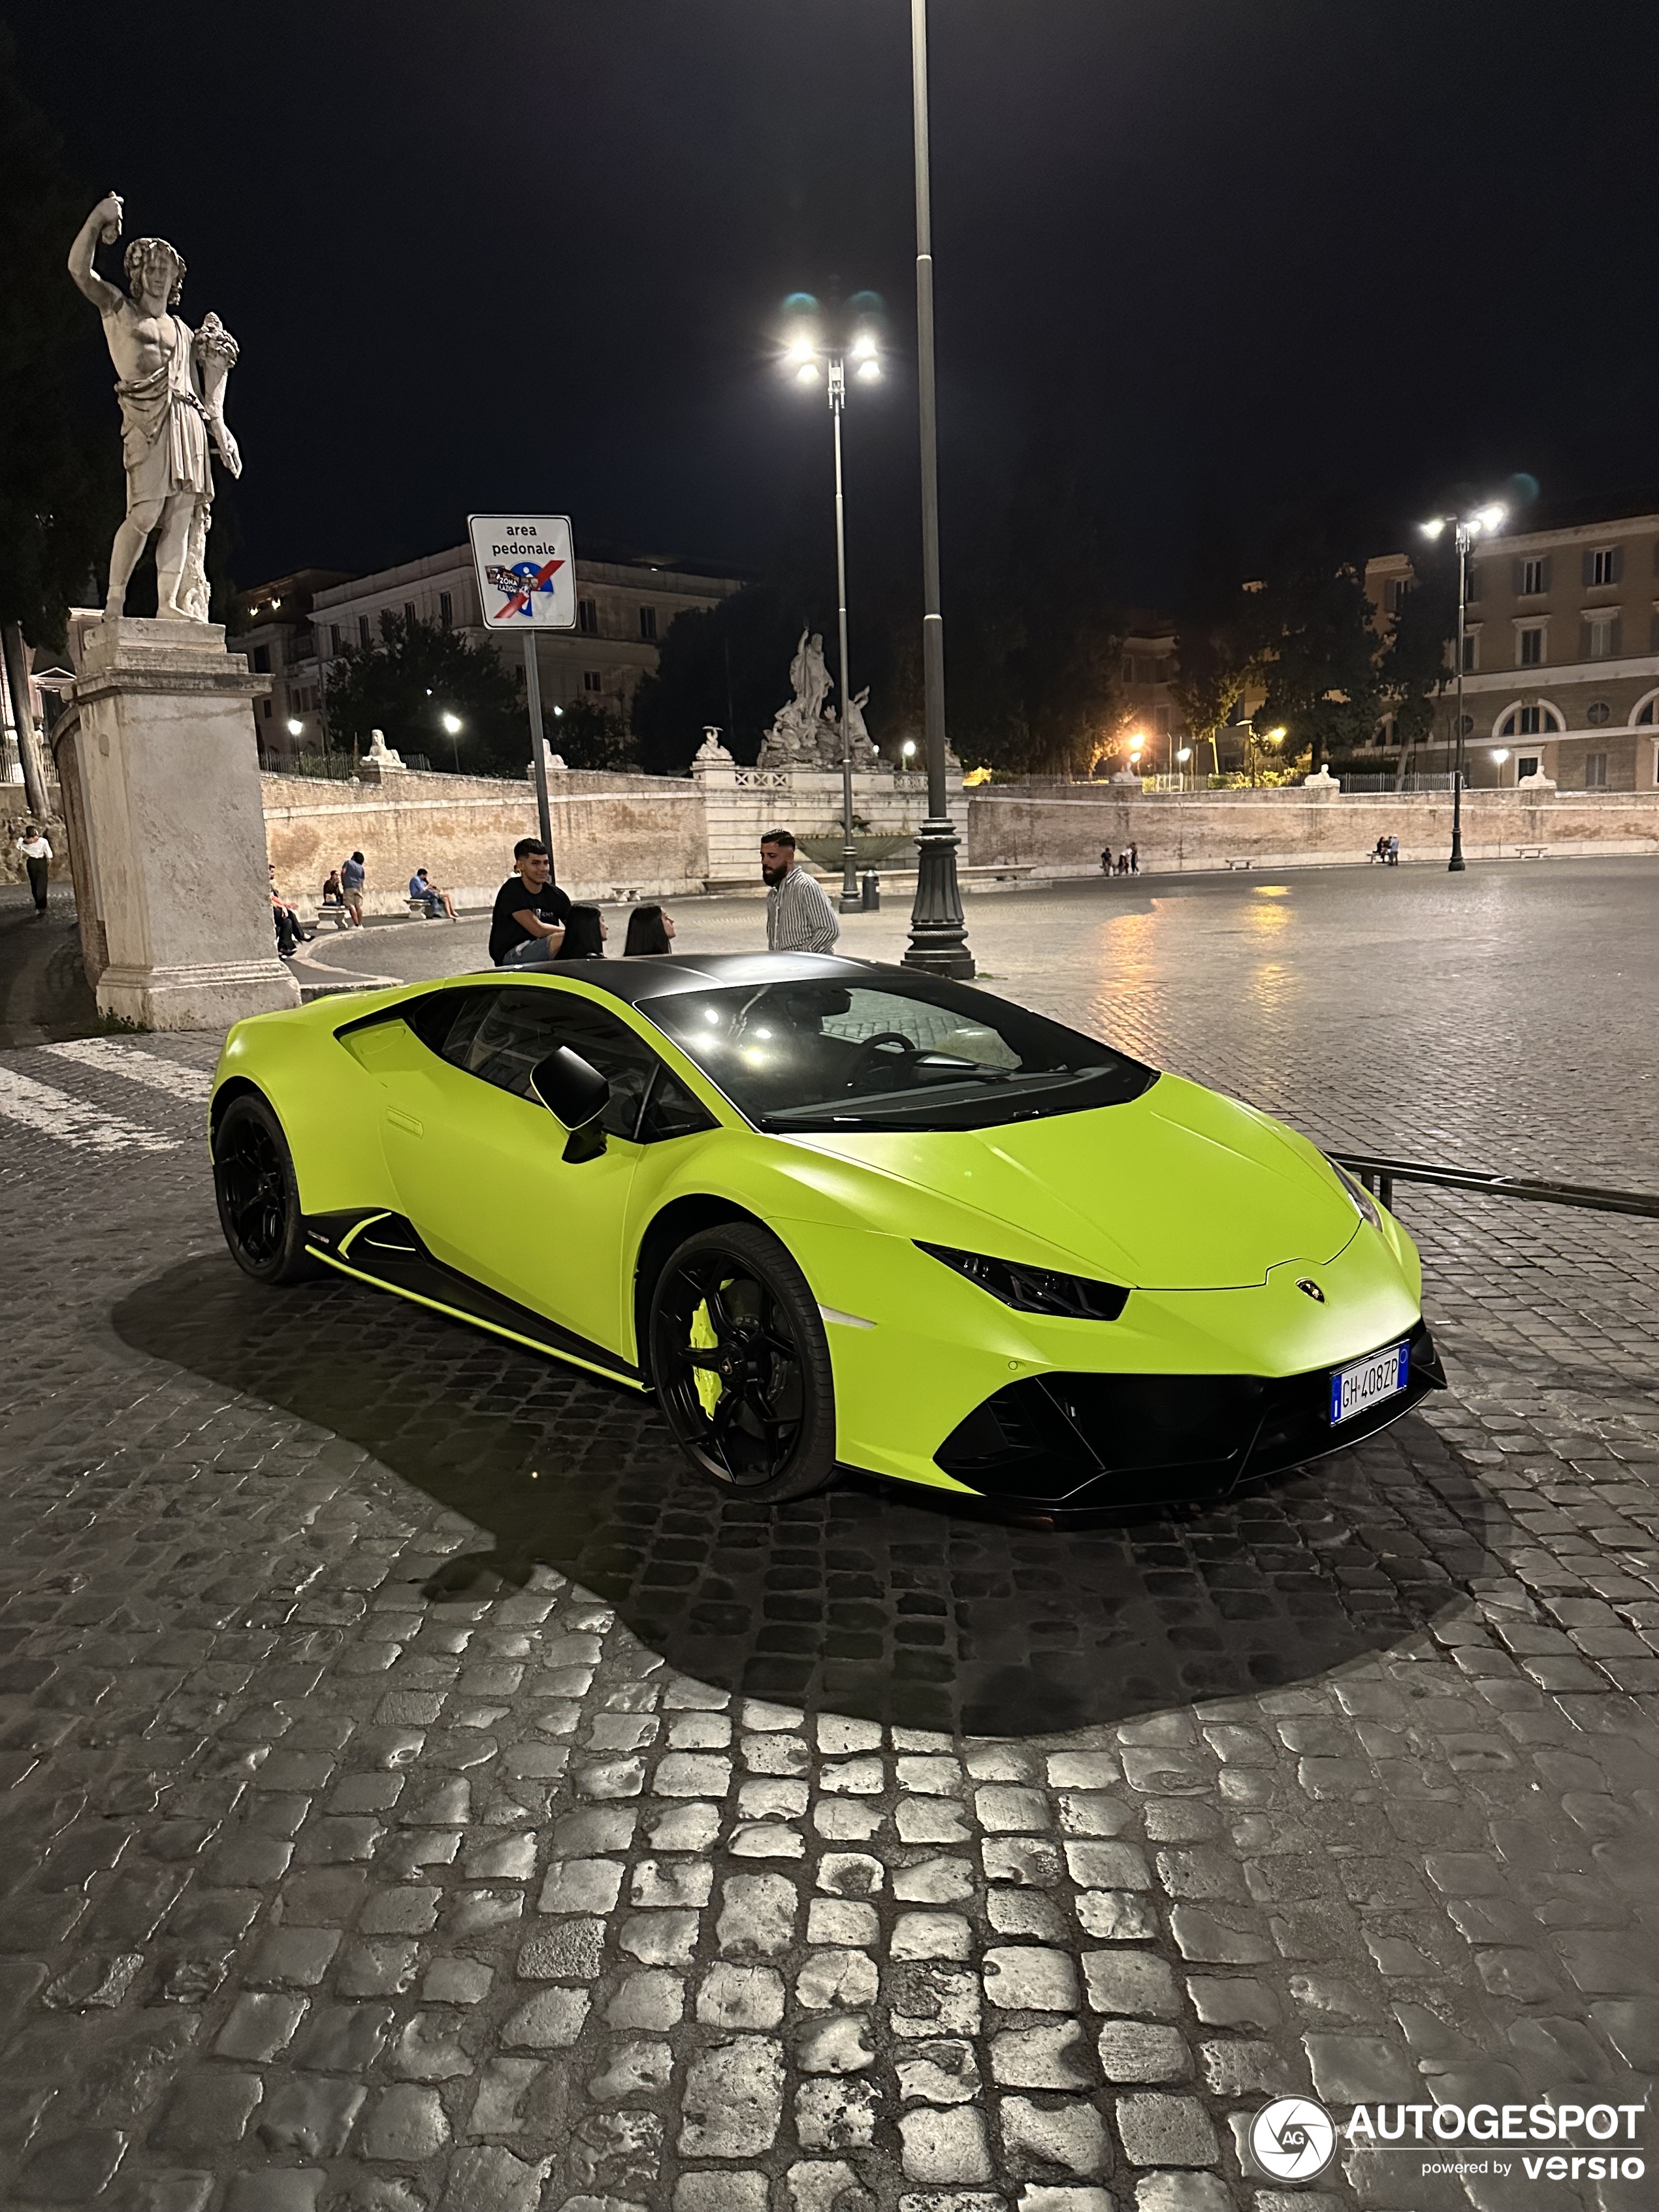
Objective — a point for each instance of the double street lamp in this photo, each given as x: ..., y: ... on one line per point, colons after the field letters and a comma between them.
x: 1466, y: 529
x: 807, y: 359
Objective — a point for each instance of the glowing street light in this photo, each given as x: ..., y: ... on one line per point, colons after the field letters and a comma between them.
x: 805, y: 355
x: 452, y: 726
x: 1467, y: 528
x: 295, y: 727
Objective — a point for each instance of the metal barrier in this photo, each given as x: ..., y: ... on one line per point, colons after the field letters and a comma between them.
x: 1380, y: 1176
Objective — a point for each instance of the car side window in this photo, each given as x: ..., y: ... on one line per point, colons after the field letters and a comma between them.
x: 502, y: 1035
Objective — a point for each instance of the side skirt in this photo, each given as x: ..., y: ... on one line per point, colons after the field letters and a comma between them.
x: 385, y: 1251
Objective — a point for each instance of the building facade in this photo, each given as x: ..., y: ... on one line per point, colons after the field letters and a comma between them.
x: 302, y: 624
x: 1561, y: 657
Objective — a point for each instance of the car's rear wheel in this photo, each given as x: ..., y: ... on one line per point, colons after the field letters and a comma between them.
x: 742, y: 1366
x: 259, y: 1194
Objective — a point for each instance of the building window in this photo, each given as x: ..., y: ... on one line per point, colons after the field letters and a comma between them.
x: 334, y: 637
x: 446, y: 611
x: 587, y: 617
x: 649, y: 624
x: 362, y: 630
x: 409, y: 614
x: 1471, y: 650
x: 1530, y: 648
x: 1603, y: 566
x: 591, y: 680
x: 1472, y: 582
x: 264, y: 706
x: 1529, y: 722
x: 1595, y: 771
x: 262, y: 661
x: 1597, y: 713
x: 1601, y: 637
x: 1526, y: 765
x: 1161, y: 720
x: 1395, y: 592
x: 1644, y: 712
x: 1534, y: 576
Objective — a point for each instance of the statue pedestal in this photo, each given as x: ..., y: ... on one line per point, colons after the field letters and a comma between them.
x: 172, y: 852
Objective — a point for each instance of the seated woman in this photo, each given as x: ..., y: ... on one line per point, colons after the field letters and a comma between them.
x: 584, y: 933
x: 649, y: 930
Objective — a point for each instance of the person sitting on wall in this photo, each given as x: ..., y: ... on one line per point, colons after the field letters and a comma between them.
x: 422, y: 891
x: 527, y: 923
x: 285, y: 914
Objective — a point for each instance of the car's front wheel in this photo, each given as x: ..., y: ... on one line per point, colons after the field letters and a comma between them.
x: 742, y: 1365
x: 259, y: 1194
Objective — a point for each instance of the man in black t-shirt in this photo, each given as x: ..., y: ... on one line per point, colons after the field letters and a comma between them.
x: 531, y: 911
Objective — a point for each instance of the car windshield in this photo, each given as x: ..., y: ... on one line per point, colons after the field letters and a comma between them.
x: 911, y: 1053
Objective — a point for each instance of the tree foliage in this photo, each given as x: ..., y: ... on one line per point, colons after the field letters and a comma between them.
x: 1415, y: 668
x: 404, y: 681
x: 60, y: 467
x: 588, y: 736
x: 725, y: 666
x: 1316, y: 653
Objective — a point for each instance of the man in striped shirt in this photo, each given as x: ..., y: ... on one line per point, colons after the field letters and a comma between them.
x: 798, y: 917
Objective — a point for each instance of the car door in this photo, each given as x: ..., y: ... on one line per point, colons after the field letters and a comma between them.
x: 478, y: 1160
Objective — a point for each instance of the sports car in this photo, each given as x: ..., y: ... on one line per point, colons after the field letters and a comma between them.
x: 836, y: 1215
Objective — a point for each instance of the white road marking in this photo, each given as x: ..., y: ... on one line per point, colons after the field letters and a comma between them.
x: 72, y: 1121
x: 114, y: 1056
x: 356, y: 976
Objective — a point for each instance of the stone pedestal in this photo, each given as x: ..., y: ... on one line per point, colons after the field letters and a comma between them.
x: 173, y: 825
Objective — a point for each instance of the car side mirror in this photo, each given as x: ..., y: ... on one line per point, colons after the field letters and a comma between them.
x: 575, y: 1094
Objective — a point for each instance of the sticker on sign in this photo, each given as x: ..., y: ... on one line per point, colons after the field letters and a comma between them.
x: 527, y: 567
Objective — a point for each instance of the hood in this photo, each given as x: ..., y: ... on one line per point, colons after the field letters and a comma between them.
x: 1179, y: 1189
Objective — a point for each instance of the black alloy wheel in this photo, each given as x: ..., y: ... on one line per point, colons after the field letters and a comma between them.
x: 259, y: 1194
x: 742, y: 1366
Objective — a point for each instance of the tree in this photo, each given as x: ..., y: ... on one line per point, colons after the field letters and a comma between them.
x: 1415, y: 666
x: 408, y: 679
x: 1314, y: 648
x: 725, y: 666
x: 1036, y: 651
x: 588, y: 736
x: 60, y: 467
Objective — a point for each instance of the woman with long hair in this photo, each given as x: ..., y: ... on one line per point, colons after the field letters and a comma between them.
x: 649, y: 930
x: 584, y: 933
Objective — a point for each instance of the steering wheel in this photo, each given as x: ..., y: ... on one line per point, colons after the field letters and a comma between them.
x: 882, y: 1040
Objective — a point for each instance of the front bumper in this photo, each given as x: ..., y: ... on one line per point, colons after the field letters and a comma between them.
x: 1078, y: 1443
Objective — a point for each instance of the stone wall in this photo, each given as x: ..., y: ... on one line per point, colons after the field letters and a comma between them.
x: 614, y: 836
x: 1060, y: 828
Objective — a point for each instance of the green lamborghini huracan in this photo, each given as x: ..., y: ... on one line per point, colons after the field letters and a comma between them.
x: 835, y: 1215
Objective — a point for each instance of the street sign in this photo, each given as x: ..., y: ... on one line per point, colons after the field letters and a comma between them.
x: 527, y: 567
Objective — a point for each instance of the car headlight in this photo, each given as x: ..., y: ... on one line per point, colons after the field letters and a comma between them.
x: 1364, y: 1204
x: 1034, y: 1290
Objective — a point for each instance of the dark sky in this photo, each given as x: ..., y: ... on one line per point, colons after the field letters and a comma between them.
x: 480, y: 256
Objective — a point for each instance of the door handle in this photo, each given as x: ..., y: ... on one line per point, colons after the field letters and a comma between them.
x: 399, y: 1120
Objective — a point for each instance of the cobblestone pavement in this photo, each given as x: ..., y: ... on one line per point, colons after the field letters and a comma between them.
x: 416, y: 1792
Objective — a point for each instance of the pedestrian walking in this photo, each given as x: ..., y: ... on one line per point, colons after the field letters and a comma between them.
x: 1105, y: 860
x: 798, y: 917
x: 526, y: 925
x: 1135, y: 859
x: 1393, y: 852
x: 650, y: 929
x: 36, y: 849
x: 353, y: 876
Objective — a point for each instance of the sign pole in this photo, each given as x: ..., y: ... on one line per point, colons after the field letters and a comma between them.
x: 532, y: 686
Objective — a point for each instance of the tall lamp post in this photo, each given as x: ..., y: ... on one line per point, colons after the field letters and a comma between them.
x: 938, y: 934
x: 1466, y: 528
x: 804, y: 357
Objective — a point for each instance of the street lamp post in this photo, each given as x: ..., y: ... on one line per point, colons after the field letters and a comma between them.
x: 1466, y: 528
x: 938, y: 934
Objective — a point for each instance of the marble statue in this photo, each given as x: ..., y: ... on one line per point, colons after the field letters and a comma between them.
x: 805, y: 731
x: 380, y: 755
x: 170, y: 381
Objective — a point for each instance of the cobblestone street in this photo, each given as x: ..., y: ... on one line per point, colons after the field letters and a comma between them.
x: 419, y: 1794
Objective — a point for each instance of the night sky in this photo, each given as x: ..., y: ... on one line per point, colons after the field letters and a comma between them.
x: 481, y: 257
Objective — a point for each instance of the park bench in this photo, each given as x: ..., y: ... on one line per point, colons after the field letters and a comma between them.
x: 327, y: 910
x: 1239, y: 863
x: 1530, y: 852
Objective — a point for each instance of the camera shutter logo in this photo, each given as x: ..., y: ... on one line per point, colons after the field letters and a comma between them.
x: 1293, y: 2139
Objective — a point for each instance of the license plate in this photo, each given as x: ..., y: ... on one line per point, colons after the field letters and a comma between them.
x: 1356, y: 1389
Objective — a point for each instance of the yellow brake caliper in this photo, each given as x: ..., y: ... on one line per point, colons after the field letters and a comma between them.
x: 703, y: 1338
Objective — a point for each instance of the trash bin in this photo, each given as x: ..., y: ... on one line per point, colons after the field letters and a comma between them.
x: 870, y: 893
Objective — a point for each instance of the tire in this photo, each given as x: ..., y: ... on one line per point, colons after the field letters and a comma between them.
x: 259, y: 1194
x: 742, y: 1365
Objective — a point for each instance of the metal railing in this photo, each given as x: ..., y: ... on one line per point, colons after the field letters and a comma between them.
x: 1380, y: 1176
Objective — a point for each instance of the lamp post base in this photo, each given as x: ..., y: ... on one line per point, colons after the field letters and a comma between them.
x: 938, y: 934
x: 850, y: 901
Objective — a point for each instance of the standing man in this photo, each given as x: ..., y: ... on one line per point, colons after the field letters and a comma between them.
x: 352, y: 880
x: 798, y: 917
x: 36, y: 849
x: 531, y: 911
